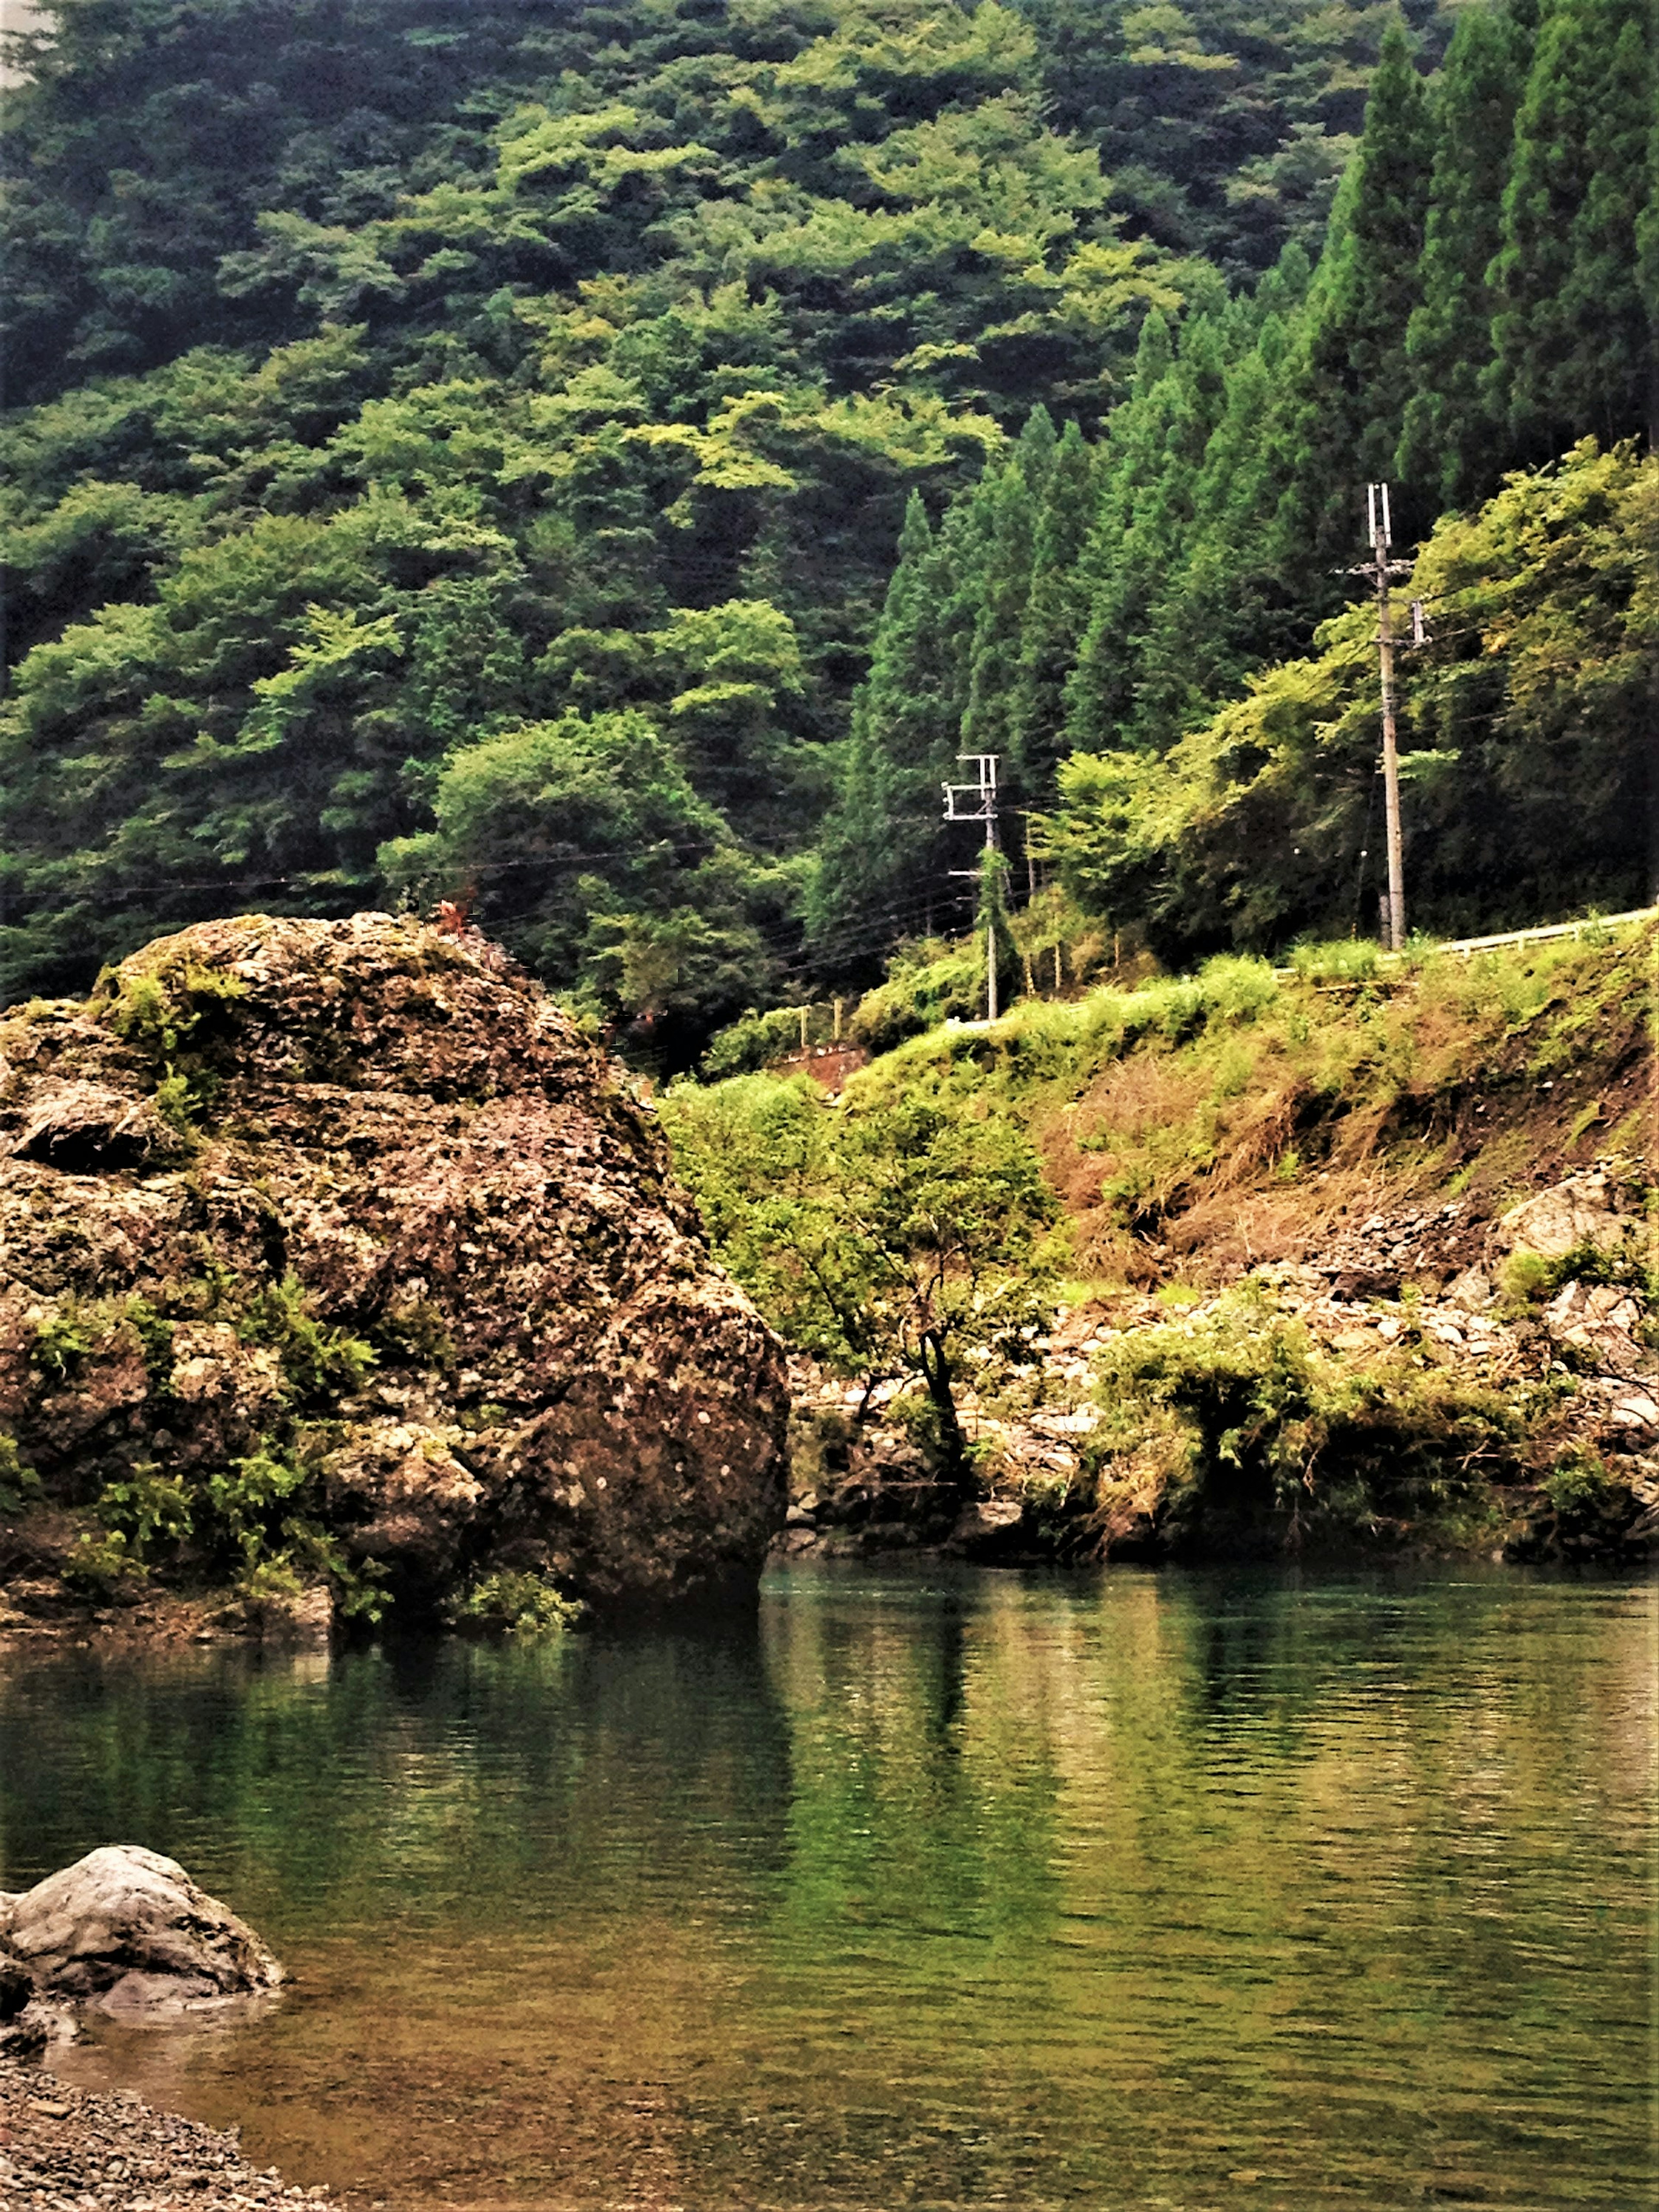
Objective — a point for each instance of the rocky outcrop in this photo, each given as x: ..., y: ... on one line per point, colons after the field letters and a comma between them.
x: 128, y: 1932
x: 1590, y: 1213
x: 334, y: 1254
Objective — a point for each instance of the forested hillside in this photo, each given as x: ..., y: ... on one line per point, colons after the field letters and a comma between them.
x: 465, y: 450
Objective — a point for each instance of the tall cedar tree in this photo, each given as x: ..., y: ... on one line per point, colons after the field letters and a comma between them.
x: 880, y: 869
x: 1097, y: 693
x: 1221, y: 613
x: 1453, y: 445
x: 1056, y: 611
x: 1164, y: 529
x: 1017, y: 495
x: 1575, y: 341
x: 1145, y: 520
x: 1348, y: 392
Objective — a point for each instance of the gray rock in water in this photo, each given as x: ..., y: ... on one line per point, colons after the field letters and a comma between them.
x: 987, y: 1526
x: 129, y: 1930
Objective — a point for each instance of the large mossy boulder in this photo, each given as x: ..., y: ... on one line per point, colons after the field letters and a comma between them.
x: 333, y: 1253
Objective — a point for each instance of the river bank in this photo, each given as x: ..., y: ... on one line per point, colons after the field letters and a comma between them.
x: 1353, y: 1260
x: 64, y: 2150
x: 1362, y: 1403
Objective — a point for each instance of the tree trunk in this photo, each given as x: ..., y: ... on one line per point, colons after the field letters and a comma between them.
x: 936, y: 1371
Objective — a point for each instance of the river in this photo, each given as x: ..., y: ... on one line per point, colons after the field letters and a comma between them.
x: 924, y: 1888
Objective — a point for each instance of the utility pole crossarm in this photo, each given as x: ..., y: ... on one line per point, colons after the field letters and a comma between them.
x: 979, y: 803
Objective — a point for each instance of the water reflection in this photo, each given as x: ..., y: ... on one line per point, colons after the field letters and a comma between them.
x: 925, y: 1889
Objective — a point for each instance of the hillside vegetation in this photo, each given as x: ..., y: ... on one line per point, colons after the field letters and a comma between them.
x: 1292, y: 1300
x: 463, y: 451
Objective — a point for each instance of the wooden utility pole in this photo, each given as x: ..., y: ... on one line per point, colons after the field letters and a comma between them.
x: 979, y: 803
x: 1384, y: 570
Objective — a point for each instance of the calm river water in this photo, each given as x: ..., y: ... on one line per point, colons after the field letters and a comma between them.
x: 927, y: 1889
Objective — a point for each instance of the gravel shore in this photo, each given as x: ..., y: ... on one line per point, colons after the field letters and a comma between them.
x: 64, y: 2150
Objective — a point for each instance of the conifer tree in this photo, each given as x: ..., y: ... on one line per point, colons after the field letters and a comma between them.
x: 1220, y: 613
x: 1347, y: 390
x: 1056, y: 609
x: 882, y: 853
x: 1097, y: 691
x: 1647, y: 247
x: 1146, y: 518
x: 1575, y: 338
x: 1016, y: 495
x: 1453, y: 445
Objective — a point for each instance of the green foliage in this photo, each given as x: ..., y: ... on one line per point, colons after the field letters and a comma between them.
x: 19, y: 1483
x: 1449, y: 433
x: 519, y: 1604
x: 259, y: 1518
x: 526, y: 525
x: 169, y: 1017
x: 616, y: 875
x: 1336, y: 960
x: 1574, y: 337
x: 62, y: 1340
x: 1583, y: 1508
x: 883, y: 848
x: 317, y: 1360
x: 148, y: 1508
x: 1238, y: 1426
x: 1348, y: 377
x: 1262, y: 824
x: 887, y: 1238
x: 1531, y: 1278
x: 103, y: 1567
x: 926, y: 984
x: 753, y: 1041
x: 991, y: 934
x: 1577, y: 1487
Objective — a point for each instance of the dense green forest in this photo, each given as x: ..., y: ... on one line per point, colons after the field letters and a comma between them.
x: 605, y: 462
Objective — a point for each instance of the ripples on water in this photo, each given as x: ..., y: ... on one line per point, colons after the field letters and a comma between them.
x: 1175, y: 1893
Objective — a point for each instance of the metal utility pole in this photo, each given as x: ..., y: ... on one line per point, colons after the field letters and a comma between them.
x: 979, y: 803
x: 1383, y: 570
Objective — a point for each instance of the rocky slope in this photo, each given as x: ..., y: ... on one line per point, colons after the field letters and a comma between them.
x: 336, y: 1267
x: 1539, y: 1414
x: 1359, y: 1261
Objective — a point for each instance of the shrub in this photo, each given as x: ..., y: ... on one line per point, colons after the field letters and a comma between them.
x: 317, y: 1359
x: 19, y: 1483
x: 62, y: 1340
x: 746, y: 1046
x: 514, y: 1604
x: 926, y: 984
x: 167, y: 1016
x: 147, y: 1508
x: 1336, y: 960
x: 102, y: 1565
x: 1240, y: 1425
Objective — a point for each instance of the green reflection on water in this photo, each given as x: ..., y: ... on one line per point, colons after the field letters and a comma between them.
x: 924, y: 1889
